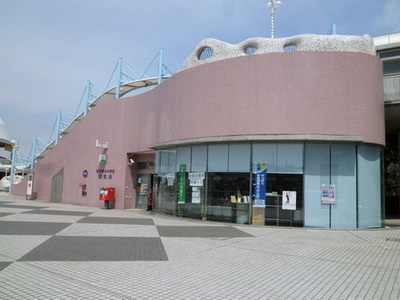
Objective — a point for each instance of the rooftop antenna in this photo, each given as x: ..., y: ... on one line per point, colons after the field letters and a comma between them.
x: 273, y: 5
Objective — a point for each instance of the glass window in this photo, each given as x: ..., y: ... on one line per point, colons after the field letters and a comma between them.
x: 218, y: 158
x: 172, y: 160
x: 369, y: 187
x: 266, y: 152
x: 183, y: 155
x: 391, y: 53
x: 162, y: 166
x: 250, y: 50
x: 166, y: 197
x: 280, y: 187
x: 228, y: 197
x: 166, y: 161
x: 316, y: 173
x: 391, y: 67
x: 343, y: 175
x: 239, y: 157
x: 205, y: 53
x: 199, y: 158
x: 291, y: 47
x: 290, y: 158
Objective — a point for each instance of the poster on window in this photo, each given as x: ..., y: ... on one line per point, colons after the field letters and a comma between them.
x: 328, y: 194
x: 196, y: 195
x: 289, y: 200
x: 144, y: 188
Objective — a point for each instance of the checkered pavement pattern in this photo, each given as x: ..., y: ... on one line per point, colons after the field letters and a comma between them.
x: 57, y: 251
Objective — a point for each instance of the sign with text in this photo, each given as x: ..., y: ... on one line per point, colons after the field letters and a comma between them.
x: 196, y: 195
x: 260, y: 183
x: 196, y: 179
x: 328, y: 194
x: 182, y: 184
x: 101, y: 143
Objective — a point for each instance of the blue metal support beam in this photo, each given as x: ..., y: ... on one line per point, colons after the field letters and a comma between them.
x: 13, y: 165
x: 88, y: 96
x: 119, y: 79
x: 38, y: 145
x: 33, y: 151
x: 332, y: 30
x: 58, y: 126
x: 160, y: 65
x: 122, y: 77
x: 61, y: 125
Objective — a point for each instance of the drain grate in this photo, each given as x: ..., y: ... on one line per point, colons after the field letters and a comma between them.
x: 393, y: 240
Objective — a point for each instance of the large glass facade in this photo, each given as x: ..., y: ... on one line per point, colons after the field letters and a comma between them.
x: 218, y: 183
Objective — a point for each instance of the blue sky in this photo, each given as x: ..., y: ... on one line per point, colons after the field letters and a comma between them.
x: 50, y: 48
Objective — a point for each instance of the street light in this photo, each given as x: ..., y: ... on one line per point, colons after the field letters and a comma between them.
x: 273, y: 5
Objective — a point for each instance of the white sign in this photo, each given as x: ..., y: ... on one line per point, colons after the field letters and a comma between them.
x: 289, y: 200
x: 170, y: 179
x: 196, y: 179
x: 328, y: 194
x: 101, y: 144
x: 196, y: 195
x: 102, y: 158
x: 144, y: 188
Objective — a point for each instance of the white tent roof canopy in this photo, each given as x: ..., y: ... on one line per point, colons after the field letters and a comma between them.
x: 4, y: 136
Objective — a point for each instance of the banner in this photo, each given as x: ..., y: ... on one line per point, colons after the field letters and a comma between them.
x: 182, y: 184
x: 260, y: 184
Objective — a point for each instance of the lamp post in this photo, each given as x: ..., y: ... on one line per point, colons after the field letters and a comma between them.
x: 273, y: 5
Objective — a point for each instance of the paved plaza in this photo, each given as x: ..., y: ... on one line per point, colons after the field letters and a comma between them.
x: 58, y: 251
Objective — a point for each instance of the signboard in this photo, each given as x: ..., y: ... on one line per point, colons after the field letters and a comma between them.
x: 29, y: 185
x: 289, y: 200
x: 182, y: 184
x: 260, y: 183
x: 196, y: 195
x: 85, y: 173
x: 144, y: 188
x: 101, y: 143
x: 196, y: 179
x: 102, y: 158
x: 328, y: 194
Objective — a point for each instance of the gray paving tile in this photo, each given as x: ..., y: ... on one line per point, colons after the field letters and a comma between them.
x: 110, y: 220
x: 82, y: 248
x: 58, y: 212
x: 201, y: 231
x: 4, y: 214
x: 4, y: 264
x: 31, y: 228
x: 20, y: 206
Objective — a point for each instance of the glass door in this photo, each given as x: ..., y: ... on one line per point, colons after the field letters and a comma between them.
x: 144, y: 185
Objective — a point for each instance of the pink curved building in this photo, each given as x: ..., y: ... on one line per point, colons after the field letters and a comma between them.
x: 316, y: 118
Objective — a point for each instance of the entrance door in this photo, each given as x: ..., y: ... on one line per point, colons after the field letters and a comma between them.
x: 57, y: 186
x: 145, y: 183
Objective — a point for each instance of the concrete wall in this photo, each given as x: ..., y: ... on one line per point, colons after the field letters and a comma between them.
x: 290, y: 93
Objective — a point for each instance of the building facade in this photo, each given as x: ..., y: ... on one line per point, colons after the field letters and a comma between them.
x: 388, y: 50
x: 310, y: 108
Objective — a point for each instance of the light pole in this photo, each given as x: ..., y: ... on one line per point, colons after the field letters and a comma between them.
x: 273, y: 5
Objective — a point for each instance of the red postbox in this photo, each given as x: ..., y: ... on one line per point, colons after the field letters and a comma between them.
x: 107, y: 194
